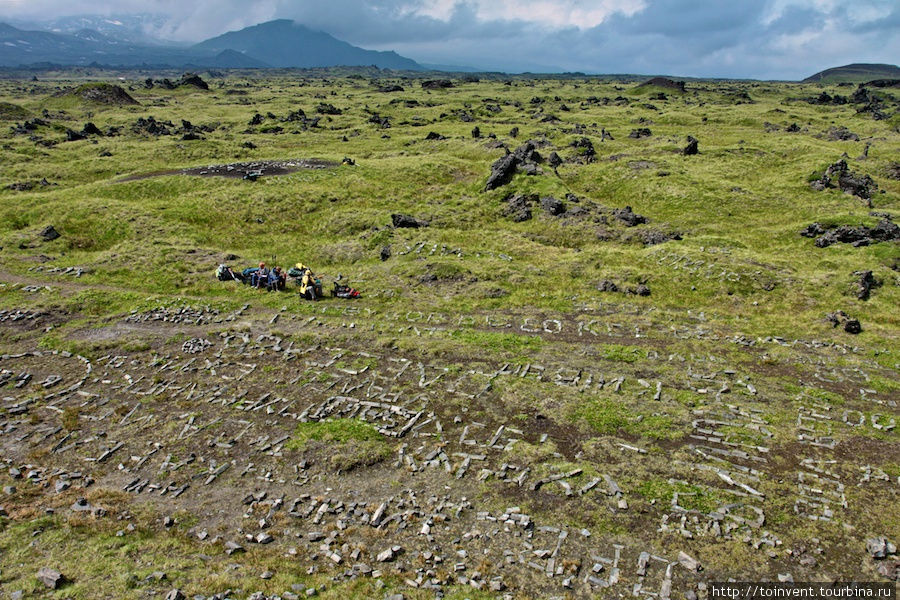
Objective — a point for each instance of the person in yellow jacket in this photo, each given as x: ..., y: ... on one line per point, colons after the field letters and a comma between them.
x: 310, y: 286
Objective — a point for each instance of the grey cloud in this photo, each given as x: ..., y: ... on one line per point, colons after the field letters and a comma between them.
x: 680, y: 37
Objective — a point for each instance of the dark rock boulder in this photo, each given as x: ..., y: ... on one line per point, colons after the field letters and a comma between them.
x: 640, y: 132
x: 884, y: 231
x: 74, y: 136
x: 385, y: 253
x: 584, y: 150
x: 386, y: 89
x: 865, y: 284
x: 651, y: 237
x: 432, y: 135
x: 861, y: 186
x: 893, y: 171
x: 518, y: 207
x: 502, y: 171
x: 90, y: 129
x: 552, y: 206
x: 853, y: 326
x: 407, y: 221
x: 813, y: 230
x: 328, y: 109
x: 554, y: 159
x: 607, y: 286
x: 436, y: 84
x: 627, y: 216
x: 49, y: 233
x: 639, y: 290
x: 693, y: 146
x: 842, y: 134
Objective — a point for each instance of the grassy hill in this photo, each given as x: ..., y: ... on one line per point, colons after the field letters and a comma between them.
x: 855, y: 73
x: 623, y: 356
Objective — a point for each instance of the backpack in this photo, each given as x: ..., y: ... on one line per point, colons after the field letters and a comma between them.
x: 344, y: 291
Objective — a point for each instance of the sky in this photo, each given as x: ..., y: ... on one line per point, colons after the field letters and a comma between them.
x: 762, y: 39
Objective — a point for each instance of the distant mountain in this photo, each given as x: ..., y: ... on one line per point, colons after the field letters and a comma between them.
x: 22, y: 47
x: 125, y: 28
x: 283, y: 43
x: 855, y: 73
x: 232, y: 59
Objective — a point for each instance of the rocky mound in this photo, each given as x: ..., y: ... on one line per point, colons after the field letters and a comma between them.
x: 839, y: 175
x: 99, y: 93
x: 190, y: 79
x: 884, y: 231
x: 884, y: 83
x: 524, y: 158
x: 12, y: 112
x: 662, y: 82
x: 436, y: 84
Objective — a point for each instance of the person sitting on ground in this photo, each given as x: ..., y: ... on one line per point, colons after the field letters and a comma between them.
x: 226, y: 273
x: 276, y: 279
x: 307, y: 283
x: 261, y: 277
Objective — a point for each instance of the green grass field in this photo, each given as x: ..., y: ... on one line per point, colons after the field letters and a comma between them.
x: 734, y: 324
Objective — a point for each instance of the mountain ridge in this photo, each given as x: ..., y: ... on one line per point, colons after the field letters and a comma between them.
x: 855, y: 73
x: 280, y: 43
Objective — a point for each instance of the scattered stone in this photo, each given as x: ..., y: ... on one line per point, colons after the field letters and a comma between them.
x: 51, y: 578
x: 263, y: 538
x: 175, y: 594
x: 640, y: 132
x: 880, y: 548
x: 433, y: 135
x: 233, y: 548
x: 385, y: 253
x: 689, y: 563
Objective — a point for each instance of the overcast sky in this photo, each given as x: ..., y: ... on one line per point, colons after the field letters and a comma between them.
x: 767, y: 39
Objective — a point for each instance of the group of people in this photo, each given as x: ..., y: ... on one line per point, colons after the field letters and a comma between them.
x: 275, y: 278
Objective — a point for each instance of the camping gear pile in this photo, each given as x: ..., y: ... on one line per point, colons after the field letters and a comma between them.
x: 309, y: 284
